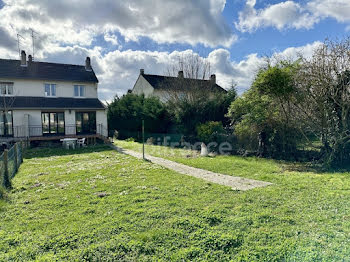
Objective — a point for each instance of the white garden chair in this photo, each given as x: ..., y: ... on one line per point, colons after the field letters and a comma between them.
x: 81, y: 142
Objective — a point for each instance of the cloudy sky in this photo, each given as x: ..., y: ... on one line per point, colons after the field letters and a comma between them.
x: 123, y: 36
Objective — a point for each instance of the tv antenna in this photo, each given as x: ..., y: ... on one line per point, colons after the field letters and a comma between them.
x: 18, y: 42
x: 33, y: 37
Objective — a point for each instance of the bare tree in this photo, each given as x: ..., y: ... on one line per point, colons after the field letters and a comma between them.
x: 187, y: 80
x: 324, y: 92
x: 192, y: 66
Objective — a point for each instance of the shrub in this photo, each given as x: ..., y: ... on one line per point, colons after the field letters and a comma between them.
x: 210, y: 131
x: 2, y: 192
x: 188, y: 113
x: 127, y: 112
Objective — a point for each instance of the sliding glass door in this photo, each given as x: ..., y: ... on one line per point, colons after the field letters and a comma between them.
x: 6, y: 126
x: 86, y: 122
x: 53, y: 123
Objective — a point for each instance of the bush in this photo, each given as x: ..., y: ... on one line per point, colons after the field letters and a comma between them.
x: 189, y: 113
x: 2, y: 192
x: 210, y: 131
x: 126, y: 114
x: 130, y: 139
x: 263, y: 117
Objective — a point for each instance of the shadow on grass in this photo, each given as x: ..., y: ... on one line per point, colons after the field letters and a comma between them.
x: 40, y: 152
x: 312, y: 167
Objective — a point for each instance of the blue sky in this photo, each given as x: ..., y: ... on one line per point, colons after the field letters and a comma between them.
x: 123, y: 36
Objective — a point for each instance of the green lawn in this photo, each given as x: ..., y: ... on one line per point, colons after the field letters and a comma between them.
x: 99, y: 205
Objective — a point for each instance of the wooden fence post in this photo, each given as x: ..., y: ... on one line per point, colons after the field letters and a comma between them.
x: 15, y: 157
x: 6, y: 173
x: 22, y: 150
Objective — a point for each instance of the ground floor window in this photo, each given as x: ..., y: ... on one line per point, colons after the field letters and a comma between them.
x: 53, y: 123
x: 86, y: 122
x: 6, y: 123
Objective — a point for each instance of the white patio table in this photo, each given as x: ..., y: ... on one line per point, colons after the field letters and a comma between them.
x: 69, y: 142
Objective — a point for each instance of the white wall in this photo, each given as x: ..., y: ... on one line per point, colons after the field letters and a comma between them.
x: 142, y: 87
x: 22, y: 118
x: 162, y: 95
x: 69, y: 119
x: 101, y: 119
x: 36, y: 88
x: 34, y: 117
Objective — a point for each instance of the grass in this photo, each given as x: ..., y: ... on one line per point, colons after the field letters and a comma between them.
x: 95, y: 204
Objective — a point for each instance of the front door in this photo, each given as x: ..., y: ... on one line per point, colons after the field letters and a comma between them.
x: 53, y: 123
x: 86, y: 122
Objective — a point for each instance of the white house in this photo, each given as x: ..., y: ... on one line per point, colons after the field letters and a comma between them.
x: 44, y: 101
x: 165, y: 87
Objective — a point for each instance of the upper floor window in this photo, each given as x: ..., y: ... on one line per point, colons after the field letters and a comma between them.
x: 6, y: 88
x: 50, y: 89
x: 79, y: 90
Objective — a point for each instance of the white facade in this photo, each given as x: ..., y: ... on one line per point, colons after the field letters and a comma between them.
x: 37, y: 88
x: 35, y: 121
x: 143, y: 87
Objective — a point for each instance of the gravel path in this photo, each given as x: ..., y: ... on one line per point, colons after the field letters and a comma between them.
x: 236, y: 183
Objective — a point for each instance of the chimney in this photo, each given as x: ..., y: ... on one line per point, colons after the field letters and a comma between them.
x: 213, y: 79
x: 23, y: 58
x: 88, y: 64
x: 142, y: 71
x: 180, y: 74
x: 30, y: 58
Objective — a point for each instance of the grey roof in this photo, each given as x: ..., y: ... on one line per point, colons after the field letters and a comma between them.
x: 45, y: 71
x: 164, y: 82
x: 27, y: 102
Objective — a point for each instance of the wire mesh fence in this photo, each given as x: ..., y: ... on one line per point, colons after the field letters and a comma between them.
x: 2, y: 169
x: 11, y: 165
x: 10, y: 160
x: 19, y: 155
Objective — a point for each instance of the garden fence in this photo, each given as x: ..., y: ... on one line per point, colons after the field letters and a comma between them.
x: 10, y: 160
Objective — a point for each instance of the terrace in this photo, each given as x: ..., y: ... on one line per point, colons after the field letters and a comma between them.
x: 43, y: 132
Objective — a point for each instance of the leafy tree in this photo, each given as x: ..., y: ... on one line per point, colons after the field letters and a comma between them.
x: 189, y: 113
x: 126, y: 114
x: 263, y: 116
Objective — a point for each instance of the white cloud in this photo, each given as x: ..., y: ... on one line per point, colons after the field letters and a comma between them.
x: 292, y: 53
x: 290, y: 14
x: 338, y: 9
x: 66, y: 29
x: 113, y: 39
x: 79, y: 22
x: 243, y: 72
x: 282, y: 15
x: 117, y: 71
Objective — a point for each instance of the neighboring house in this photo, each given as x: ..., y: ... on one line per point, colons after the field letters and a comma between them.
x: 46, y: 101
x: 166, y: 87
